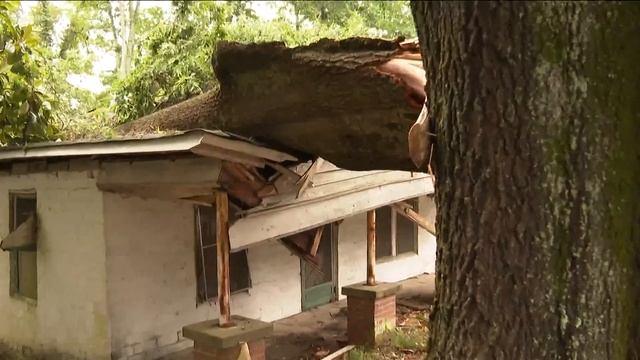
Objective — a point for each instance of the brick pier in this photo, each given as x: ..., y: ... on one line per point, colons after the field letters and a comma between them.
x: 371, y: 309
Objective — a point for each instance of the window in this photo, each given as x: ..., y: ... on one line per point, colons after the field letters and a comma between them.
x: 395, y: 234
x: 24, y: 268
x: 207, y: 261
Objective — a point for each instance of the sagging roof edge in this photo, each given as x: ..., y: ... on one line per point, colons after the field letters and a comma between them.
x: 178, y: 142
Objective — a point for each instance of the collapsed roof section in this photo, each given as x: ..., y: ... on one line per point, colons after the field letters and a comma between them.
x: 351, y: 102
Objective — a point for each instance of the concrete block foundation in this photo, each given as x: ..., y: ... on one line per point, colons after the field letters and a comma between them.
x: 370, y: 311
x: 212, y: 342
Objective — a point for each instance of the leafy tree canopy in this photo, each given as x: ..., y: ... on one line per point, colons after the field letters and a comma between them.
x: 161, y: 56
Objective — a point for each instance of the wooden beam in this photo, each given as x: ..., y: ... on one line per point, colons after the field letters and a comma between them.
x: 316, y: 241
x: 283, y: 219
x: 306, y: 178
x: 407, y: 211
x: 222, y: 246
x: 371, y: 247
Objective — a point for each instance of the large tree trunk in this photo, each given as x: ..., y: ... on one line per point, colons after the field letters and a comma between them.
x: 351, y: 102
x: 536, y: 107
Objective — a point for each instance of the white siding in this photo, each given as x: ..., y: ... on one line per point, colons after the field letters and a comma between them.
x: 152, y: 285
x: 70, y: 316
x: 352, y: 253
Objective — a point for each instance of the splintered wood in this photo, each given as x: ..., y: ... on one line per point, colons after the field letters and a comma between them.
x: 222, y: 246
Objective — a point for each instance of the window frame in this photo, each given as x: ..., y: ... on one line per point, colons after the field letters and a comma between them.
x: 393, y: 229
x: 14, y: 255
x: 201, y: 262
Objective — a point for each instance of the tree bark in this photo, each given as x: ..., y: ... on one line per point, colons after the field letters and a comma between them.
x: 351, y: 102
x: 536, y: 114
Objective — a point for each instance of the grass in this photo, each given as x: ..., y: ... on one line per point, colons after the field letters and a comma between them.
x: 407, y: 341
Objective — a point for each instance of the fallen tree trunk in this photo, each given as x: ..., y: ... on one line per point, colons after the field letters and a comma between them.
x: 351, y: 102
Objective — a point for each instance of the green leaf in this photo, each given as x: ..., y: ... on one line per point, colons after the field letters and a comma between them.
x: 24, y: 108
x: 14, y: 57
x: 4, y: 66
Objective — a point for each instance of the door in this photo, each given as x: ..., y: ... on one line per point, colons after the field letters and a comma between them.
x: 319, y: 282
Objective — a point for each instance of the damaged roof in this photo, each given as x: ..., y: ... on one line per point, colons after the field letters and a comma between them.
x: 216, y: 143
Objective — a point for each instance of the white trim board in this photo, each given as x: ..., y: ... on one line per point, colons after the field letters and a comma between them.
x: 278, y: 223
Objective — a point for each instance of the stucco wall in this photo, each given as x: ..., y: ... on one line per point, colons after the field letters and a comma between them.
x: 151, y: 273
x: 352, y: 252
x: 70, y: 316
x: 152, y: 285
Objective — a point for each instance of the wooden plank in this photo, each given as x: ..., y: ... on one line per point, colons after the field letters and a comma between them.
x: 340, y: 354
x: 371, y: 247
x: 239, y: 190
x: 316, y: 241
x: 333, y: 176
x: 359, y: 183
x: 222, y: 246
x: 306, y: 178
x: 288, y: 219
x: 246, y: 148
x: 224, y: 154
x: 407, y: 211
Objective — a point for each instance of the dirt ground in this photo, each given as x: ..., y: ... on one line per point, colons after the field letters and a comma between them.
x: 318, y: 332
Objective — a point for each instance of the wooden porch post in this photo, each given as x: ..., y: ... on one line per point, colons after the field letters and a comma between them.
x: 222, y: 245
x: 371, y: 247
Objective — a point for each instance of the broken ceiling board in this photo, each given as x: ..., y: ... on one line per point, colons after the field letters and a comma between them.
x: 359, y: 183
x: 246, y: 148
x: 332, y: 176
x: 228, y: 155
x: 243, y: 174
x: 282, y: 221
x: 306, y: 179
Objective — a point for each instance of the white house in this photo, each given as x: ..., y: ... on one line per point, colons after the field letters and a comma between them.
x: 110, y: 245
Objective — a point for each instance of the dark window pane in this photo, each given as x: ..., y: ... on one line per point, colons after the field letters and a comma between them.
x: 238, y: 263
x: 25, y: 279
x: 208, y: 225
x: 27, y: 274
x: 383, y: 232
x: 239, y: 271
x: 25, y: 206
x: 406, y: 232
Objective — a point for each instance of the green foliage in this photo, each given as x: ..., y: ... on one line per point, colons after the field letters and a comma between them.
x: 175, y: 57
x: 25, y: 111
x: 175, y: 64
x: 164, y: 59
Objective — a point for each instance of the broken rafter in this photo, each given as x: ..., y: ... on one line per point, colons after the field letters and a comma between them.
x: 407, y: 211
x: 316, y: 241
x: 308, y: 176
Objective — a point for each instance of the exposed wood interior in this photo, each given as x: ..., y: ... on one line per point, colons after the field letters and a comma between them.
x: 305, y: 180
x: 316, y: 241
x: 222, y: 246
x: 407, y: 211
x: 371, y: 247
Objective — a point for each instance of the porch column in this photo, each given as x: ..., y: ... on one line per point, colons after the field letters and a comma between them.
x: 222, y: 244
x: 227, y: 338
x: 371, y: 247
x: 371, y: 307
